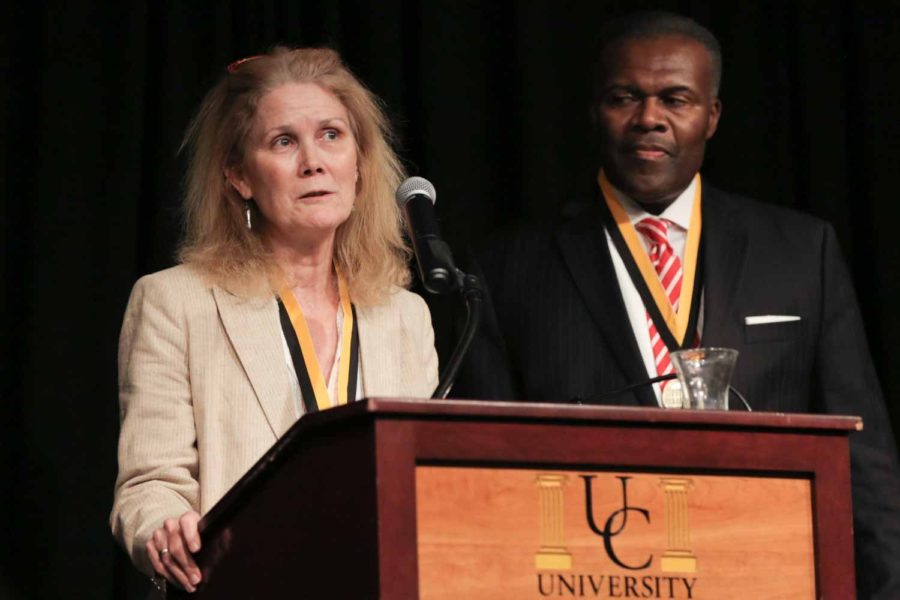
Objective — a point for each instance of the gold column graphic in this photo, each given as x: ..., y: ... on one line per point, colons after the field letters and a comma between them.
x: 678, y: 557
x: 553, y: 554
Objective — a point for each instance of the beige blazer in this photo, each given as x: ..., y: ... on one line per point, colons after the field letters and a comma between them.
x: 204, y: 390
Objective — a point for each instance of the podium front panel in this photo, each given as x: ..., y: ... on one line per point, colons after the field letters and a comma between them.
x: 485, y: 533
x: 768, y: 500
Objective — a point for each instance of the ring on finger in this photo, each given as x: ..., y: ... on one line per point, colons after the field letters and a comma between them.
x: 163, y: 552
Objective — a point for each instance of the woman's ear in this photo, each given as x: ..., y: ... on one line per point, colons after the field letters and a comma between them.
x: 235, y: 176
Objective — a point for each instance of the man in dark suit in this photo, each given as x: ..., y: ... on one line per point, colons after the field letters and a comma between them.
x: 656, y: 259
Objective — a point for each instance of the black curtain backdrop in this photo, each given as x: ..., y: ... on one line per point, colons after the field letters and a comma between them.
x: 490, y: 103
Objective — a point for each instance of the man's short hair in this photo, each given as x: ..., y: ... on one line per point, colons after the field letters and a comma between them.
x: 650, y: 24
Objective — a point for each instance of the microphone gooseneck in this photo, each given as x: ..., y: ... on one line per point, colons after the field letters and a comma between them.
x: 741, y: 397
x: 600, y: 399
x: 438, y: 273
x: 616, y: 393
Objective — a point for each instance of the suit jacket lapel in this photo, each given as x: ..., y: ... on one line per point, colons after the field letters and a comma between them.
x: 586, y: 253
x: 252, y: 326
x: 724, y: 252
x: 375, y: 351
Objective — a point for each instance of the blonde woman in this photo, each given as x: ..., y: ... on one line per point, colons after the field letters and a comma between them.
x: 289, y: 297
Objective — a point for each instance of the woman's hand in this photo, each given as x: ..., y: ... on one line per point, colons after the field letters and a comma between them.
x: 171, y: 549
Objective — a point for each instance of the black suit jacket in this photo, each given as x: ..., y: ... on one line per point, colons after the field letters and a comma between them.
x: 557, y: 329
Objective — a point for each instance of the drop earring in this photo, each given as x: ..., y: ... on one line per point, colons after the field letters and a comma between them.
x: 247, y: 214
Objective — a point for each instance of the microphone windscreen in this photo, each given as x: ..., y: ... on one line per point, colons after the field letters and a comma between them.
x: 412, y: 187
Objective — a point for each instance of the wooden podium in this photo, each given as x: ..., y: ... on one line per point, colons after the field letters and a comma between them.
x: 399, y: 499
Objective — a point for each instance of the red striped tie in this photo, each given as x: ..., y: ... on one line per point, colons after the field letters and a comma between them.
x: 668, y: 267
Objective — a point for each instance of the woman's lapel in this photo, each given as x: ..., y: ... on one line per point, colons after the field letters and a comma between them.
x: 253, y: 327
x: 377, y: 353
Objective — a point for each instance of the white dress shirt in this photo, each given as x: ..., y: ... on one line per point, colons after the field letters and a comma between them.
x: 679, y: 215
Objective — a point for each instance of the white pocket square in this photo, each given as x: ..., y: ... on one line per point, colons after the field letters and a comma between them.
x: 766, y: 319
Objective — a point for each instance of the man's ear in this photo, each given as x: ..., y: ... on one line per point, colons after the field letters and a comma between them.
x: 235, y: 176
x: 714, y: 115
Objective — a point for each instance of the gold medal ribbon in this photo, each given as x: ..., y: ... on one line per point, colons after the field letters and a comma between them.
x: 677, y: 323
x: 316, y: 377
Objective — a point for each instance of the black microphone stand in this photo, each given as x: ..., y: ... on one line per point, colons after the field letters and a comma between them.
x: 472, y: 293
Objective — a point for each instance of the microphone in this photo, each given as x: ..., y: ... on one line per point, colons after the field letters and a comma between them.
x: 600, y: 399
x: 416, y: 197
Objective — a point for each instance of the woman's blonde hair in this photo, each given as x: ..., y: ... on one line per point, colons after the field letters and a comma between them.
x: 369, y: 247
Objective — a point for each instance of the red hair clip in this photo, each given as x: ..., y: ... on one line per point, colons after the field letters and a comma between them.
x: 233, y: 67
